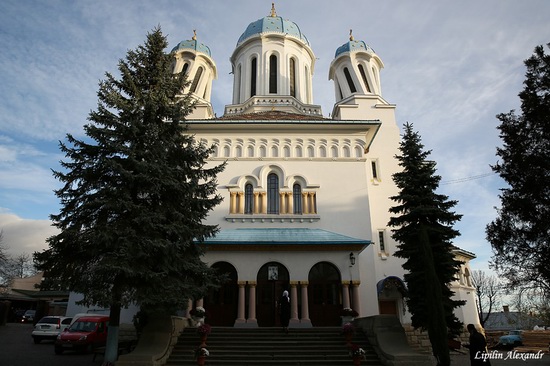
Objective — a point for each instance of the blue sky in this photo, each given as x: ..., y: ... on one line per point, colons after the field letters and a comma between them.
x: 450, y: 67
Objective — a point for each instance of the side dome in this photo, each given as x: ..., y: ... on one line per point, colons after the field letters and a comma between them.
x: 192, y: 44
x: 273, y: 24
x: 353, y: 46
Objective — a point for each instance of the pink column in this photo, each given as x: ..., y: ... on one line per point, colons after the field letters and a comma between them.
x: 189, y: 308
x: 345, y: 295
x: 240, y: 306
x: 252, y: 303
x: 294, y: 302
x: 305, y: 304
x: 355, y: 296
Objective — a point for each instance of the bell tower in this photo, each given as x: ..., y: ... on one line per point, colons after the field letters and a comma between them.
x: 194, y: 58
x: 355, y: 71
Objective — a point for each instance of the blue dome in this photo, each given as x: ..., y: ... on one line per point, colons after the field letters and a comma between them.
x: 272, y: 24
x: 353, y: 46
x: 192, y: 44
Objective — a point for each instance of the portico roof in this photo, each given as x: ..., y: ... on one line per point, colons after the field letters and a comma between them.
x: 283, y: 239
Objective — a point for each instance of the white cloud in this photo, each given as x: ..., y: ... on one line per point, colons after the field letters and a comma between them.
x: 23, y: 236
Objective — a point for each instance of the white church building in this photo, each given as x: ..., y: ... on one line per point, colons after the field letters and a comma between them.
x: 305, y: 197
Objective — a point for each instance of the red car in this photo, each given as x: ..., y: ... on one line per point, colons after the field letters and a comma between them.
x: 85, y: 334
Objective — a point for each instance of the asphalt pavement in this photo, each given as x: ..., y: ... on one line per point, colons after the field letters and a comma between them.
x: 17, y: 348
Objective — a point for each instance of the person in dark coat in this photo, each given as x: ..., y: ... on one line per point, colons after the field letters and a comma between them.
x: 284, y: 308
x: 478, y: 347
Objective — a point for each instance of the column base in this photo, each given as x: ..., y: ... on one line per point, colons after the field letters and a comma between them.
x: 250, y: 323
x: 238, y: 322
x: 304, y: 323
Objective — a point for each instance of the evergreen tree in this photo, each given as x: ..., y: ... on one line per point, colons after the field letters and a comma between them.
x: 520, y: 235
x: 135, y: 195
x: 423, y: 229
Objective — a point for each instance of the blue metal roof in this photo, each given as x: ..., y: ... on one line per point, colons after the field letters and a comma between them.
x: 298, y: 236
x: 353, y: 46
x: 273, y: 24
x: 192, y: 44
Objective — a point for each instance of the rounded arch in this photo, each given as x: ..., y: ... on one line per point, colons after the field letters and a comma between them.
x: 272, y: 168
x: 222, y: 303
x: 272, y: 279
x: 325, y: 294
x: 245, y: 179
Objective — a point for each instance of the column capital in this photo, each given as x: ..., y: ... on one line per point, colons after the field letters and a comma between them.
x: 346, y: 283
x: 304, y: 282
x: 241, y: 283
x: 356, y: 283
x: 251, y: 283
x: 294, y: 283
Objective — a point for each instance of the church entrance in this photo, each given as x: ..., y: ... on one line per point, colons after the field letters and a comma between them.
x: 325, y: 295
x: 273, y: 279
x: 222, y: 304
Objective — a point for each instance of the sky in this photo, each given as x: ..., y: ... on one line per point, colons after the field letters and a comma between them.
x: 449, y: 66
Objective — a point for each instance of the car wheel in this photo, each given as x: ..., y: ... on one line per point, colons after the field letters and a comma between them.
x: 36, y: 340
x: 58, y: 350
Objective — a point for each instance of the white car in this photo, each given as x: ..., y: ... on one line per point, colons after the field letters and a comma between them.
x: 49, y: 327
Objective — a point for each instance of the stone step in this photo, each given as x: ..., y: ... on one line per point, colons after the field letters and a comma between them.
x: 271, y: 346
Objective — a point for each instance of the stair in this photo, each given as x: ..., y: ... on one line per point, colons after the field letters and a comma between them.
x: 271, y: 346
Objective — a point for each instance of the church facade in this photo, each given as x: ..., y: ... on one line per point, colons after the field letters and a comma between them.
x: 305, y: 197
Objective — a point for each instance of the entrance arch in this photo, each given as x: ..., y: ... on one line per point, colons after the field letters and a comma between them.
x: 222, y: 303
x: 272, y: 280
x: 325, y: 295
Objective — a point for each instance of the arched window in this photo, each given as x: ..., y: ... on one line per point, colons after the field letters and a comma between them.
x: 273, y: 74
x: 286, y: 152
x: 248, y: 199
x: 334, y: 151
x: 272, y: 194
x: 250, y: 150
x: 298, y: 151
x: 185, y: 67
x: 274, y: 151
x: 310, y: 152
x: 238, y: 151
x: 226, y: 151
x: 307, y: 85
x: 253, y: 70
x: 349, y: 80
x: 237, y: 93
x: 297, y: 199
x: 293, y: 77
x: 364, y: 77
x: 196, y: 80
x: 262, y: 152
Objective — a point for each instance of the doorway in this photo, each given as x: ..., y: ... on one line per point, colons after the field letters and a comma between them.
x: 325, y: 295
x: 272, y: 280
x: 222, y: 304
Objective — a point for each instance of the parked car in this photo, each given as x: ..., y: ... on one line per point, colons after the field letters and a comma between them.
x: 511, y: 340
x: 49, y: 327
x: 85, y: 334
x: 28, y: 317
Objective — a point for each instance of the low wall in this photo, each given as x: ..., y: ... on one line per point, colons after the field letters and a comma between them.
x: 155, y: 343
x: 387, y: 336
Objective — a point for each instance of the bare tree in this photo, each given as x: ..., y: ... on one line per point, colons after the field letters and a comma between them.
x: 22, y: 266
x: 488, y: 291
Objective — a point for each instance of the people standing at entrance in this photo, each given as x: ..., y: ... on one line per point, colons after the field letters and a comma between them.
x: 478, y: 347
x: 284, y: 310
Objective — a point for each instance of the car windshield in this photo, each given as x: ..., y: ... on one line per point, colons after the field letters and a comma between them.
x: 49, y: 320
x: 82, y: 326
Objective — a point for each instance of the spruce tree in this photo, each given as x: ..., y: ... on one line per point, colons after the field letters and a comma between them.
x: 520, y: 235
x: 423, y: 229
x: 135, y: 194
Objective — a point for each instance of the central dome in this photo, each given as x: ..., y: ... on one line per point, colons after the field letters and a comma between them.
x: 273, y: 24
